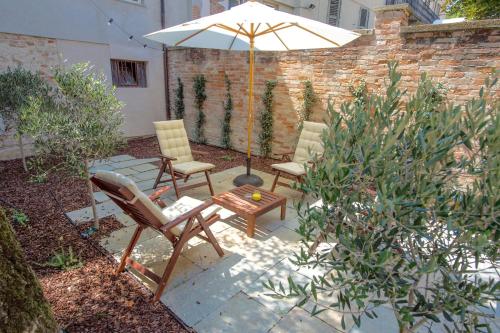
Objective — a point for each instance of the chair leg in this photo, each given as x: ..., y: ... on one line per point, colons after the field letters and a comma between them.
x: 275, y: 181
x: 174, y: 182
x: 210, y: 235
x: 160, y: 173
x: 129, y: 249
x: 173, y: 260
x: 209, y: 183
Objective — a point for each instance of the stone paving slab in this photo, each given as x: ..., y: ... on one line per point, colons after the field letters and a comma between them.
x: 145, y: 167
x: 146, y: 175
x: 121, y: 158
x: 104, y: 209
x: 100, y: 197
x: 239, y: 314
x: 300, y: 321
x: 119, y: 239
x: 126, y: 171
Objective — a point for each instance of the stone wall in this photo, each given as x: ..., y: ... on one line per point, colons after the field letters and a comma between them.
x: 33, y: 53
x: 459, y: 55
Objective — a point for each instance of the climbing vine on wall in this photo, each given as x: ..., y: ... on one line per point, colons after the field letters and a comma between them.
x: 179, y: 99
x: 199, y: 98
x: 228, y: 110
x: 310, y: 100
x: 360, y: 93
x: 266, y: 120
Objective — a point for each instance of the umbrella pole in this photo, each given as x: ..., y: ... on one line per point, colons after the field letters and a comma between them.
x: 248, y: 178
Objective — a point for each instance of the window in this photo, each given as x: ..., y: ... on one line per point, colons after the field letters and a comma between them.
x: 137, y: 2
x: 334, y: 12
x: 364, y: 16
x: 127, y: 73
x: 234, y: 3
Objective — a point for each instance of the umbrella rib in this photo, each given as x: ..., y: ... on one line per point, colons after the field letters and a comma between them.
x: 277, y: 36
x: 235, y: 36
x: 194, y: 34
x: 225, y: 27
x: 275, y: 27
x: 315, y: 34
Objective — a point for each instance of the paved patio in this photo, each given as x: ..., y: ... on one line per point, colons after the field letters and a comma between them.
x: 213, y: 294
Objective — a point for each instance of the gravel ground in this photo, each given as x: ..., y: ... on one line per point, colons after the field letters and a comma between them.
x: 91, y: 298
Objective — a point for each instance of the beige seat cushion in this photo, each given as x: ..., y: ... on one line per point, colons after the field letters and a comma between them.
x: 184, y: 205
x: 181, y: 206
x: 173, y: 140
x: 309, y: 142
x: 189, y: 168
x: 293, y: 168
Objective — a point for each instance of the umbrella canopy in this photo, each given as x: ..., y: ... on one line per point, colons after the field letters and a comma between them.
x: 271, y: 30
x: 253, y: 27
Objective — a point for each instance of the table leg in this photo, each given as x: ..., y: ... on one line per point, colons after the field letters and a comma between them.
x: 250, y: 226
x: 283, y: 211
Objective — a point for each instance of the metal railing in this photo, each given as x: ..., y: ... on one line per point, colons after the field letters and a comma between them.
x: 421, y: 11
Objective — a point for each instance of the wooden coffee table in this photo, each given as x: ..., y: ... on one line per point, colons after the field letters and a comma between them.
x: 238, y: 200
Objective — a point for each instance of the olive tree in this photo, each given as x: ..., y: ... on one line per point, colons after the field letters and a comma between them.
x: 81, y: 123
x: 17, y: 86
x: 407, y: 212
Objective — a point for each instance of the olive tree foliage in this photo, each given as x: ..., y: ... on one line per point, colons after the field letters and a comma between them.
x: 17, y: 86
x: 407, y: 211
x: 81, y: 123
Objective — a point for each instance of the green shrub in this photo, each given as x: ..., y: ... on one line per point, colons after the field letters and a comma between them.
x: 199, y: 98
x: 405, y: 218
x: 266, y: 120
x: 65, y: 260
x: 20, y: 217
x: 179, y: 99
x: 228, y: 110
x: 310, y: 100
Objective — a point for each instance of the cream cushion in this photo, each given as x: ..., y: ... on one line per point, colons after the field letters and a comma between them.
x: 188, y: 168
x: 181, y: 206
x: 173, y: 140
x: 309, y: 142
x: 293, y: 168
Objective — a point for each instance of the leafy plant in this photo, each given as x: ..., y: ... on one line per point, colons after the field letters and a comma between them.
x: 228, y: 158
x: 310, y: 100
x: 360, y: 93
x: 266, y: 120
x: 20, y: 217
x: 228, y: 110
x: 179, y: 99
x: 17, y: 86
x: 404, y: 217
x: 472, y: 9
x: 81, y: 123
x: 65, y: 260
x: 199, y: 98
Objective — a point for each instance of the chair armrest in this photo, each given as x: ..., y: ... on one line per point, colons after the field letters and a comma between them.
x: 192, y: 213
x: 165, y: 157
x: 200, y: 152
x: 286, y: 155
x: 158, y: 193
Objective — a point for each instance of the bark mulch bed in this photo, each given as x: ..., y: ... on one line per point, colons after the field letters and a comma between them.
x: 91, y: 298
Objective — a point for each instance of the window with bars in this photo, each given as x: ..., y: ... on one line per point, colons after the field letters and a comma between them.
x: 334, y: 12
x: 233, y: 3
x: 364, y: 16
x: 128, y: 73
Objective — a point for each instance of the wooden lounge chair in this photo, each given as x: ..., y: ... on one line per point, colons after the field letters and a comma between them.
x: 185, y: 219
x: 176, y: 156
x: 309, y: 143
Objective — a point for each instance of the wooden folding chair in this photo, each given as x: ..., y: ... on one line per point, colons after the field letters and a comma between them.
x: 185, y: 219
x: 176, y: 157
x: 309, y: 143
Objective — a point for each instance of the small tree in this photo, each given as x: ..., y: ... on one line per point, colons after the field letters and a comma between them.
x: 17, y: 86
x: 179, y: 99
x: 407, y: 220
x: 266, y: 120
x: 472, y: 9
x: 80, y: 124
x: 310, y: 100
x: 228, y: 110
x: 23, y: 308
x: 199, y: 98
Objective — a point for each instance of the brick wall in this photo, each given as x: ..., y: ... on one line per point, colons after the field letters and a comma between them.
x: 33, y: 53
x: 458, y: 55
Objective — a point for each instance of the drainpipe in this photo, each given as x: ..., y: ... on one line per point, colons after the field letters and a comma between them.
x: 165, y: 63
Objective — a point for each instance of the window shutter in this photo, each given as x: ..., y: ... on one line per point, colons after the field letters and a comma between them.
x: 334, y: 12
x: 363, y: 17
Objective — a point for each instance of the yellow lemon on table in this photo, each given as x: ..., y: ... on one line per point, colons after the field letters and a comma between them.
x: 256, y: 196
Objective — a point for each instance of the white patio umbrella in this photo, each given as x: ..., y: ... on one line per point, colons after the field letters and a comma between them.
x: 253, y: 27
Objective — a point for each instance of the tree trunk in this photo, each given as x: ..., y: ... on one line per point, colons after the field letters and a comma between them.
x: 21, y: 149
x: 91, y: 194
x: 23, y: 308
